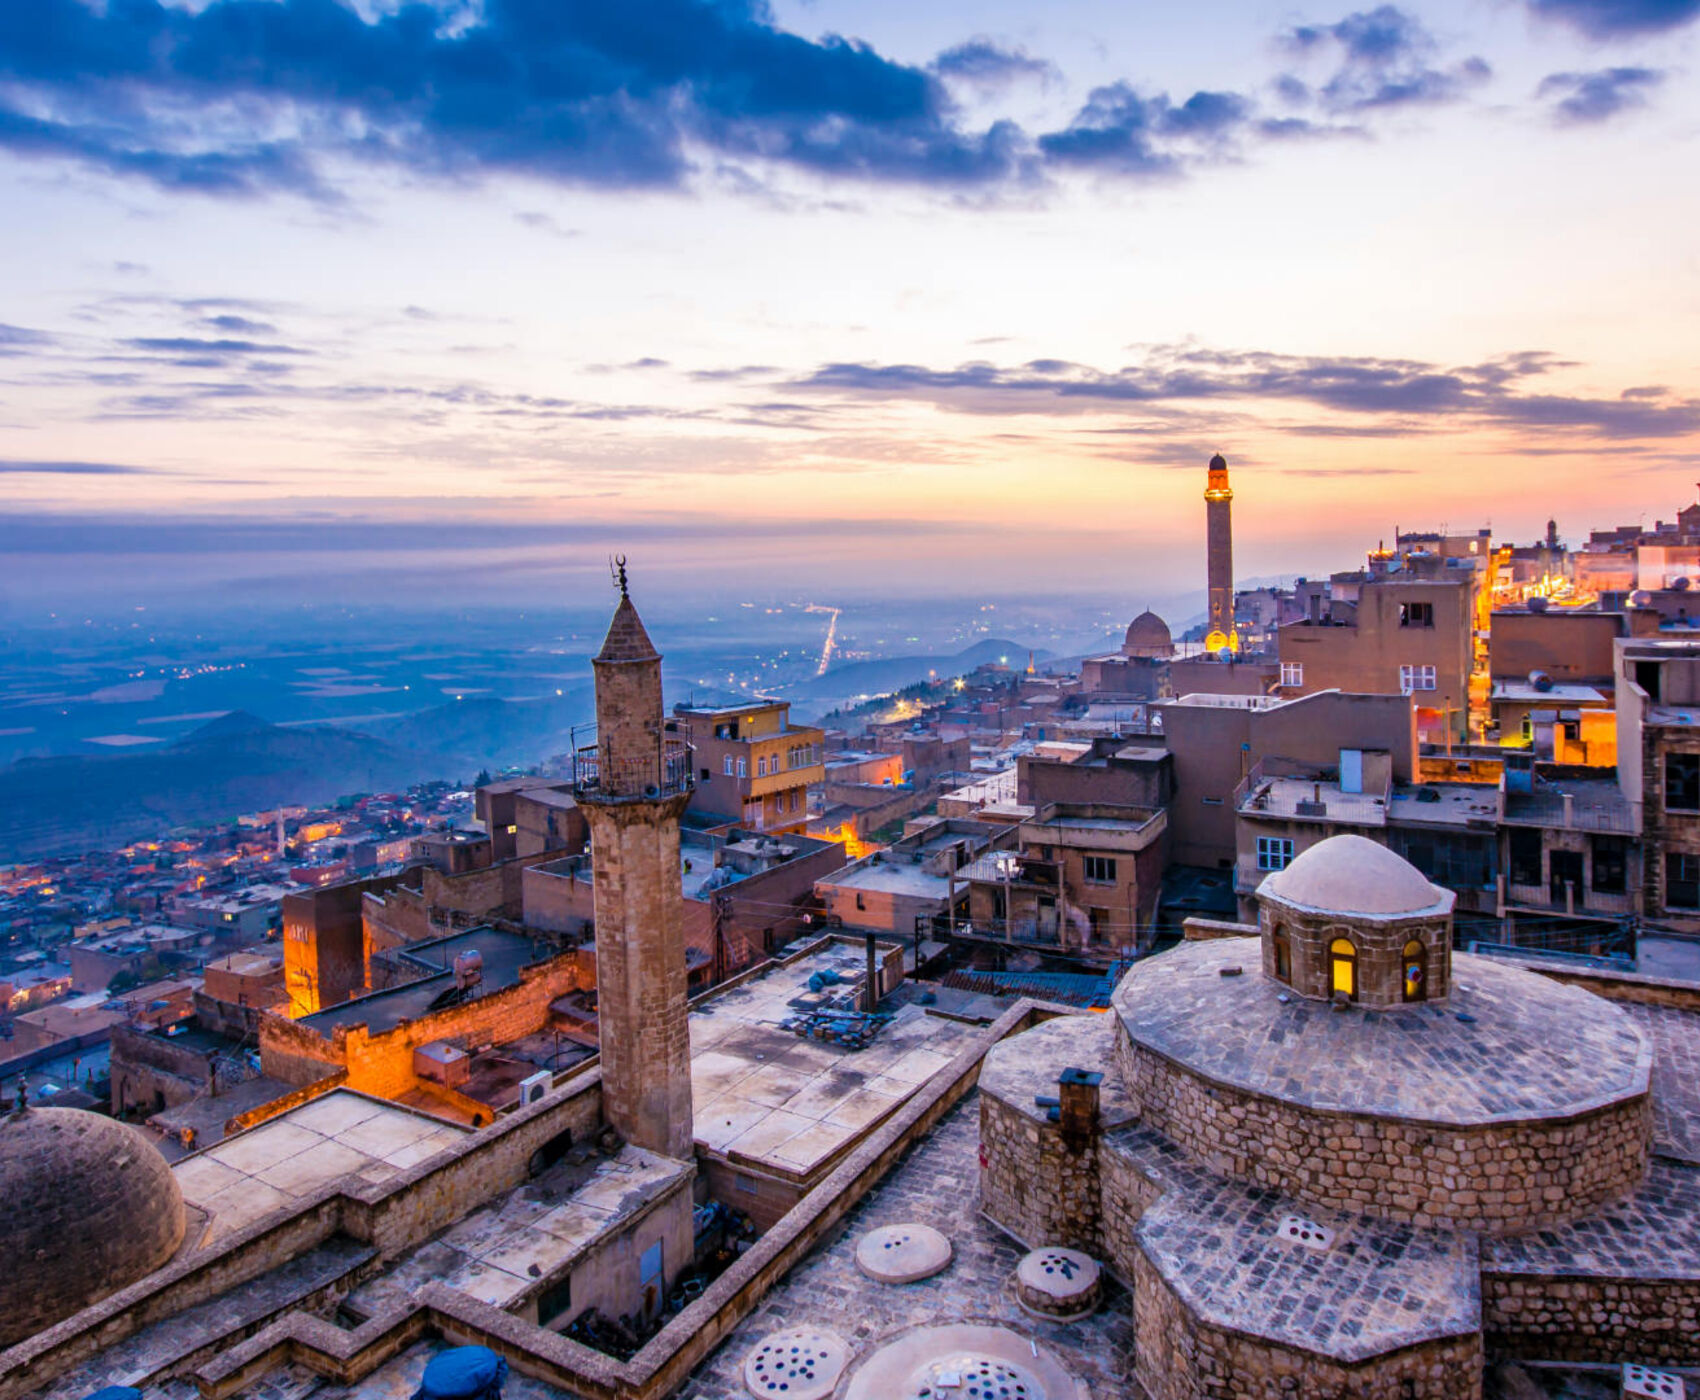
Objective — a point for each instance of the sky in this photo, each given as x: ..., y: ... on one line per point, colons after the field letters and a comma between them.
x: 933, y: 296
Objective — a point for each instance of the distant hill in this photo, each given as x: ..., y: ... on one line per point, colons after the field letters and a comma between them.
x: 483, y: 732
x: 894, y: 672
x: 237, y: 763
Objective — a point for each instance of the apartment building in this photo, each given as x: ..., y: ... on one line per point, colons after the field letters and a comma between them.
x: 754, y: 767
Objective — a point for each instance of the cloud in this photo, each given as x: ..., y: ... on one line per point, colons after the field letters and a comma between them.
x: 988, y: 65
x: 1384, y: 58
x: 1586, y: 99
x: 238, y: 97
x: 1119, y: 130
x: 1424, y: 394
x: 239, y: 325
x: 1616, y: 19
x: 12, y: 466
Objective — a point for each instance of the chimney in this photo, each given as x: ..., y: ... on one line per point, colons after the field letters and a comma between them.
x: 871, y: 992
x: 1077, y: 1089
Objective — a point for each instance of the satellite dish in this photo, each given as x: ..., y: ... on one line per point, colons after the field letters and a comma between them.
x: 1640, y: 598
x: 1539, y: 605
x: 1681, y: 585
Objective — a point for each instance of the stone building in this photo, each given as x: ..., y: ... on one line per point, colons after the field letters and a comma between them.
x: 1342, y: 1160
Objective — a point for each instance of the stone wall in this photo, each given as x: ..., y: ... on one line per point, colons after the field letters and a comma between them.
x: 1655, y: 1321
x: 1032, y: 1185
x: 382, y: 1063
x: 1499, y: 1178
x: 1181, y: 1358
x: 1379, y: 945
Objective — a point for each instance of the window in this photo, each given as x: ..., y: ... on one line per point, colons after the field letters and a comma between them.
x: 761, y: 767
x: 1415, y: 678
x: 1611, y: 865
x: 1525, y: 855
x: 1415, y: 970
x: 706, y: 775
x: 1100, y: 870
x: 1283, y: 955
x: 1292, y: 674
x: 1682, y: 782
x: 1343, y: 968
x: 1682, y: 880
x: 1416, y: 614
x: 743, y: 768
x: 860, y: 902
x: 728, y: 765
x: 1274, y: 852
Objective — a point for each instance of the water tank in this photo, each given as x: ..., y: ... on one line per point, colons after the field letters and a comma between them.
x: 1640, y: 598
x: 1541, y: 681
x: 1680, y: 585
x: 1539, y: 605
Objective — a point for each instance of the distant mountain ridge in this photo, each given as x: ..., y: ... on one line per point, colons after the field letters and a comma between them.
x: 895, y: 672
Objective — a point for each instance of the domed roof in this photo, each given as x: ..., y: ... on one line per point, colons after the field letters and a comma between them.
x: 89, y: 1207
x: 1148, y: 635
x: 1354, y: 875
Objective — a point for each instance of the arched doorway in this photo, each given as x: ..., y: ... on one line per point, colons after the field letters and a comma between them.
x: 1343, y: 968
x: 1283, y: 955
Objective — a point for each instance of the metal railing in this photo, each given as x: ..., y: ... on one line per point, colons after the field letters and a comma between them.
x: 666, y: 773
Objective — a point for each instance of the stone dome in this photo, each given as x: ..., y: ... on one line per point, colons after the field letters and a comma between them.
x: 89, y: 1207
x: 1350, y: 875
x: 1148, y: 636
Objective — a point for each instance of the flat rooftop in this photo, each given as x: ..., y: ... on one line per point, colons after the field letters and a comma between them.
x: 1522, y: 691
x: 343, y: 1133
x: 1289, y: 797
x: 900, y: 876
x: 503, y: 953
x: 788, y: 1104
x: 1597, y: 804
x: 513, y: 1247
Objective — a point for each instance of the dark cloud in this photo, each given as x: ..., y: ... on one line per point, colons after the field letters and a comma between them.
x: 1613, y: 19
x: 1384, y: 58
x: 239, y: 325
x: 1423, y: 394
x: 214, y: 350
x: 1122, y: 131
x: 15, y: 340
x: 12, y: 466
x: 1585, y: 99
x: 987, y: 64
x: 575, y: 91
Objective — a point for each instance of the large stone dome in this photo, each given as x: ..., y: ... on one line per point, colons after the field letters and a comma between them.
x: 1148, y: 636
x: 87, y: 1206
x: 1350, y: 875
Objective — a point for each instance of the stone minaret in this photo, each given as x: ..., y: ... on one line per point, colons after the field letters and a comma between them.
x: 632, y: 794
x: 1219, y: 552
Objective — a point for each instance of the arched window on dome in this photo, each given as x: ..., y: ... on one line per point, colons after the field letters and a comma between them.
x: 1283, y: 955
x: 1413, y: 967
x: 1343, y: 967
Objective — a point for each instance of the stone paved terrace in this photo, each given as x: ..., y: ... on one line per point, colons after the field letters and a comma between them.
x: 274, y: 1166
x: 164, y: 1343
x: 936, y: 1184
x: 1378, y: 1286
x: 1531, y: 1048
x: 1675, y: 1036
x: 1652, y: 1234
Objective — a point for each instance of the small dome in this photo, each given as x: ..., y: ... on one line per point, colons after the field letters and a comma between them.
x: 1218, y: 463
x: 1353, y: 875
x: 90, y: 1207
x: 1148, y: 635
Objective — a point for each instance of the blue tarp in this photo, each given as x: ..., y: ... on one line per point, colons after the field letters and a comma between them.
x: 115, y: 1392
x: 463, y: 1373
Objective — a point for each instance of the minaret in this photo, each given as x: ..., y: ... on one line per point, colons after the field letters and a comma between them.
x: 632, y: 788
x: 1219, y: 553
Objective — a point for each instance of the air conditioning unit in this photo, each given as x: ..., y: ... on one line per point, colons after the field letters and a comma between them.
x: 534, y: 1086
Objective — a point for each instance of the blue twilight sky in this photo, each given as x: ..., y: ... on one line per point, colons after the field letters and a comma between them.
x: 931, y: 292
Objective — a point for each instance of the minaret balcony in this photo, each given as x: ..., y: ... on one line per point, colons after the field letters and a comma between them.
x: 665, y: 773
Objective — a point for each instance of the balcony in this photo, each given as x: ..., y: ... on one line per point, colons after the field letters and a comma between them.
x: 666, y: 773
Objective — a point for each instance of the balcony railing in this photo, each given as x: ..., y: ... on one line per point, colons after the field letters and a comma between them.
x: 666, y: 773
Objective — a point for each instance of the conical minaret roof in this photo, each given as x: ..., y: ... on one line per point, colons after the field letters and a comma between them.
x: 626, y: 639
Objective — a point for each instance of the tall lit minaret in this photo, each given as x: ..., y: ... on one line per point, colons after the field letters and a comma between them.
x: 632, y: 794
x: 1219, y: 551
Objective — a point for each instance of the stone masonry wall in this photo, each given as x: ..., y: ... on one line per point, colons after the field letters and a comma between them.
x: 1592, y: 1319
x: 1033, y: 1185
x: 1180, y: 1358
x: 1500, y: 1179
